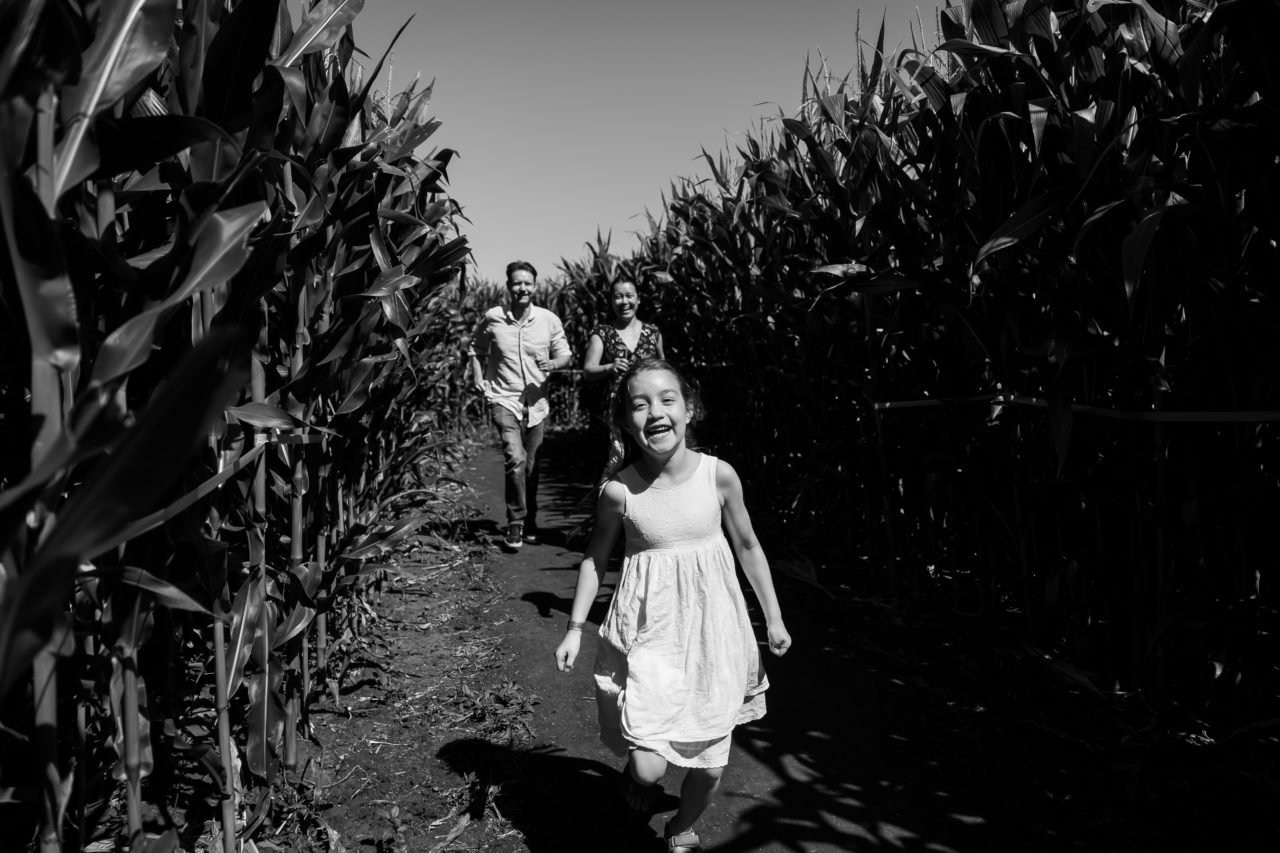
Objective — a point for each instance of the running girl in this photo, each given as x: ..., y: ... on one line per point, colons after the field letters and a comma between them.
x: 677, y: 666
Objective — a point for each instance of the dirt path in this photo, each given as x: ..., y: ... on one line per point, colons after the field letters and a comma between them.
x: 888, y: 728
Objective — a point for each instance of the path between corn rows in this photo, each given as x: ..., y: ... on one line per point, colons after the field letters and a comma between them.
x: 887, y: 729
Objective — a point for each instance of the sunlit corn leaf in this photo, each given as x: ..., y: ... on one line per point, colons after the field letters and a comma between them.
x: 165, y: 593
x: 300, y: 617
x: 245, y: 627
x: 391, y: 282
x: 356, y: 382
x: 266, y: 709
x: 264, y: 416
x: 307, y: 577
x: 380, y: 541
x: 320, y: 28
x: 132, y: 39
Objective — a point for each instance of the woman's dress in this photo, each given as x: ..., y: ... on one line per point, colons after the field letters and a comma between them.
x: 614, y: 349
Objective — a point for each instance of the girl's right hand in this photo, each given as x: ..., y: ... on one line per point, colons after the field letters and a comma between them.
x: 567, y: 651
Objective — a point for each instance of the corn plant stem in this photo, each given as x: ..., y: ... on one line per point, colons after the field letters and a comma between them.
x: 322, y: 617
x: 258, y: 390
x: 132, y: 749
x: 304, y: 691
x: 228, y: 802
x: 44, y: 670
x: 296, y: 554
x: 82, y: 742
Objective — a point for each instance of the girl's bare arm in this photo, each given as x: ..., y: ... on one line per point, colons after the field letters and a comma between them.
x: 591, y: 570
x: 754, y: 563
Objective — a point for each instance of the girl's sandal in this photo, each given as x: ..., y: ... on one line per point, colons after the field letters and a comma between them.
x: 685, y: 842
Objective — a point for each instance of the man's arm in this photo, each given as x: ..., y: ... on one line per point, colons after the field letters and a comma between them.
x: 479, y: 344
x: 561, y: 355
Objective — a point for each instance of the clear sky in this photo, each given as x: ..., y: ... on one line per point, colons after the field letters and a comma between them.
x: 569, y: 115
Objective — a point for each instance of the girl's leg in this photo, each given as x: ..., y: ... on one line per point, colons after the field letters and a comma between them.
x: 699, y: 786
x: 644, y: 769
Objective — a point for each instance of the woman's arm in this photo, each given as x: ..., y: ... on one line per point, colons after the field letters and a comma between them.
x: 591, y: 366
x: 754, y: 563
x: 591, y: 571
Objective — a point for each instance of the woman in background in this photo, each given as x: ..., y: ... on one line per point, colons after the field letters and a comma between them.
x: 613, y: 348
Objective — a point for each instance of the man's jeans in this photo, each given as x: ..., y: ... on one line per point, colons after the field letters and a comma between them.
x: 520, y: 464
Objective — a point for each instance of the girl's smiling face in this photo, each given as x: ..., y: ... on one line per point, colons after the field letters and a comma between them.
x: 657, y: 413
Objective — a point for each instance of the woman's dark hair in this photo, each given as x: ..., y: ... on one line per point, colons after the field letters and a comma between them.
x: 622, y: 402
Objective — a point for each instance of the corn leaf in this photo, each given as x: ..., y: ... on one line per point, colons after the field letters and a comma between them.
x: 266, y: 719
x: 17, y: 24
x: 146, y: 756
x: 1134, y: 252
x: 299, y: 618
x: 205, y: 489
x: 48, y: 305
x: 244, y: 628
x: 137, y: 144
x: 165, y: 593
x: 132, y: 40
x: 1026, y: 221
x: 221, y: 249
x: 320, y: 28
x: 265, y: 416
x: 236, y: 59
x: 199, y: 26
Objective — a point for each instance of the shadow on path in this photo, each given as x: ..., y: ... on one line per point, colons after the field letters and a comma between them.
x: 558, y: 801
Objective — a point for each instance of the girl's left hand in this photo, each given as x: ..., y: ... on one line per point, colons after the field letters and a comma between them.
x: 567, y: 651
x: 779, y: 639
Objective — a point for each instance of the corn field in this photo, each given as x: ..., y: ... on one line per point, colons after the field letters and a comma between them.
x: 1005, y: 306
x: 230, y: 310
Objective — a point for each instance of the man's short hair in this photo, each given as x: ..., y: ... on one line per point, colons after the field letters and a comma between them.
x: 516, y: 266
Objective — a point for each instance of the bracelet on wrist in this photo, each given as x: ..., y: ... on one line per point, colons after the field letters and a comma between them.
x: 575, y: 626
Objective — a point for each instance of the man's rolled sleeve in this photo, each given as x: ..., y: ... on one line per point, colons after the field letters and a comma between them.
x: 559, y: 343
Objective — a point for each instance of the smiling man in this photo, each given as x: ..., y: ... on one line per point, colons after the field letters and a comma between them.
x: 512, y: 351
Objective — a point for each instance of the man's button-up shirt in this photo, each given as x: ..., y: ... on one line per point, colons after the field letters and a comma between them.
x: 510, y: 350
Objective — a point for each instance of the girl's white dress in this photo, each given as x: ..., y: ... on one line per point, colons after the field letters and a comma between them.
x: 678, y: 666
